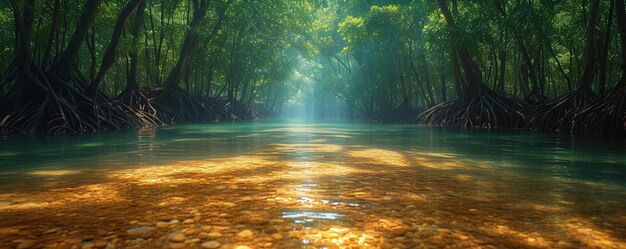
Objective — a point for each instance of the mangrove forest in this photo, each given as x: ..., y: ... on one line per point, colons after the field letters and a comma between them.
x: 240, y: 124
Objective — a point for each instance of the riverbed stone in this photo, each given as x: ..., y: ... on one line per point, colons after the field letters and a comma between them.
x: 258, y: 221
x: 330, y: 235
x: 177, y: 245
x: 24, y: 244
x: 221, y: 187
x: 277, y: 236
x: 162, y: 224
x: 245, y: 234
x: 87, y: 245
x: 100, y: 243
x: 398, y: 231
x: 176, y: 237
x: 340, y: 230
x: 214, y: 235
x: 211, y: 244
x: 143, y: 232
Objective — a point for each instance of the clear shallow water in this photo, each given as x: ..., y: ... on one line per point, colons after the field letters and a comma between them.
x: 298, y: 184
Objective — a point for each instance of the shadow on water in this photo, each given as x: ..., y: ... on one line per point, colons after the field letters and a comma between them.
x: 314, y: 185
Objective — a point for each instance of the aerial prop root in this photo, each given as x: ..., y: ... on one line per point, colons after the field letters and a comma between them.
x: 555, y: 115
x: 604, y: 117
x: 174, y: 106
x: 137, y: 102
x: 480, y: 107
x: 180, y: 106
x: 47, y: 104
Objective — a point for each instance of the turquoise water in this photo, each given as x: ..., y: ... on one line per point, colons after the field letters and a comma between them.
x: 524, y: 152
x: 314, y: 184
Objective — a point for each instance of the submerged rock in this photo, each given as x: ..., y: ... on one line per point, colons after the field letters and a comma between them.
x: 162, y: 224
x: 24, y: 244
x: 221, y: 187
x: 245, y: 234
x: 100, y: 243
x: 258, y: 221
x: 87, y: 245
x: 177, y: 245
x: 214, y: 235
x: 211, y: 244
x: 398, y: 231
x: 330, y: 235
x: 206, y: 228
x: 277, y: 236
x: 53, y: 230
x: 142, y: 232
x: 340, y: 230
x: 176, y: 237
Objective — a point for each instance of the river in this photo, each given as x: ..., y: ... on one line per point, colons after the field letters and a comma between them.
x: 296, y: 184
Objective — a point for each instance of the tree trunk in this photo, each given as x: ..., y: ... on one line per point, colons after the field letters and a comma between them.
x: 51, y: 35
x: 471, y: 70
x: 24, y: 25
x: 131, y: 82
x: 67, y: 59
x: 502, y: 70
x: 529, y: 69
x: 590, y: 57
x: 431, y: 98
x: 456, y: 69
x: 91, y: 46
x: 620, y: 16
x: 191, y: 39
x: 442, y: 75
x: 604, y: 51
x: 109, y: 54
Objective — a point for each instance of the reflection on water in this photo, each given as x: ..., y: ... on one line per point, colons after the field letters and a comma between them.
x: 321, y: 185
x: 304, y: 217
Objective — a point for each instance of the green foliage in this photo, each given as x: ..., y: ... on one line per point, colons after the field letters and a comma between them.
x: 372, y: 54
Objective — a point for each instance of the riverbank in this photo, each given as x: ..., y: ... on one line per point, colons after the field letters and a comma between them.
x: 133, y: 110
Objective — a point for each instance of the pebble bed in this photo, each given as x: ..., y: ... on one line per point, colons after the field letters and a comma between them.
x: 328, y: 196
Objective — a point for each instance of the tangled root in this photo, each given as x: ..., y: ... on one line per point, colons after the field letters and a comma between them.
x: 605, y: 117
x: 481, y: 107
x: 555, y: 116
x: 63, y: 109
x: 138, y: 100
x: 178, y: 106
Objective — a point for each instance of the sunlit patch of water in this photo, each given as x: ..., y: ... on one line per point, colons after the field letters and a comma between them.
x: 307, y: 148
x: 53, y: 172
x: 379, y: 156
x: 591, y: 235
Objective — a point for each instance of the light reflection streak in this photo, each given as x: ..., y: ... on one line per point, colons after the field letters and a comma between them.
x: 312, y: 215
x: 54, y: 172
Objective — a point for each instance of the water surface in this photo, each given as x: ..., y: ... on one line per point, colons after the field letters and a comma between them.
x: 289, y: 184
